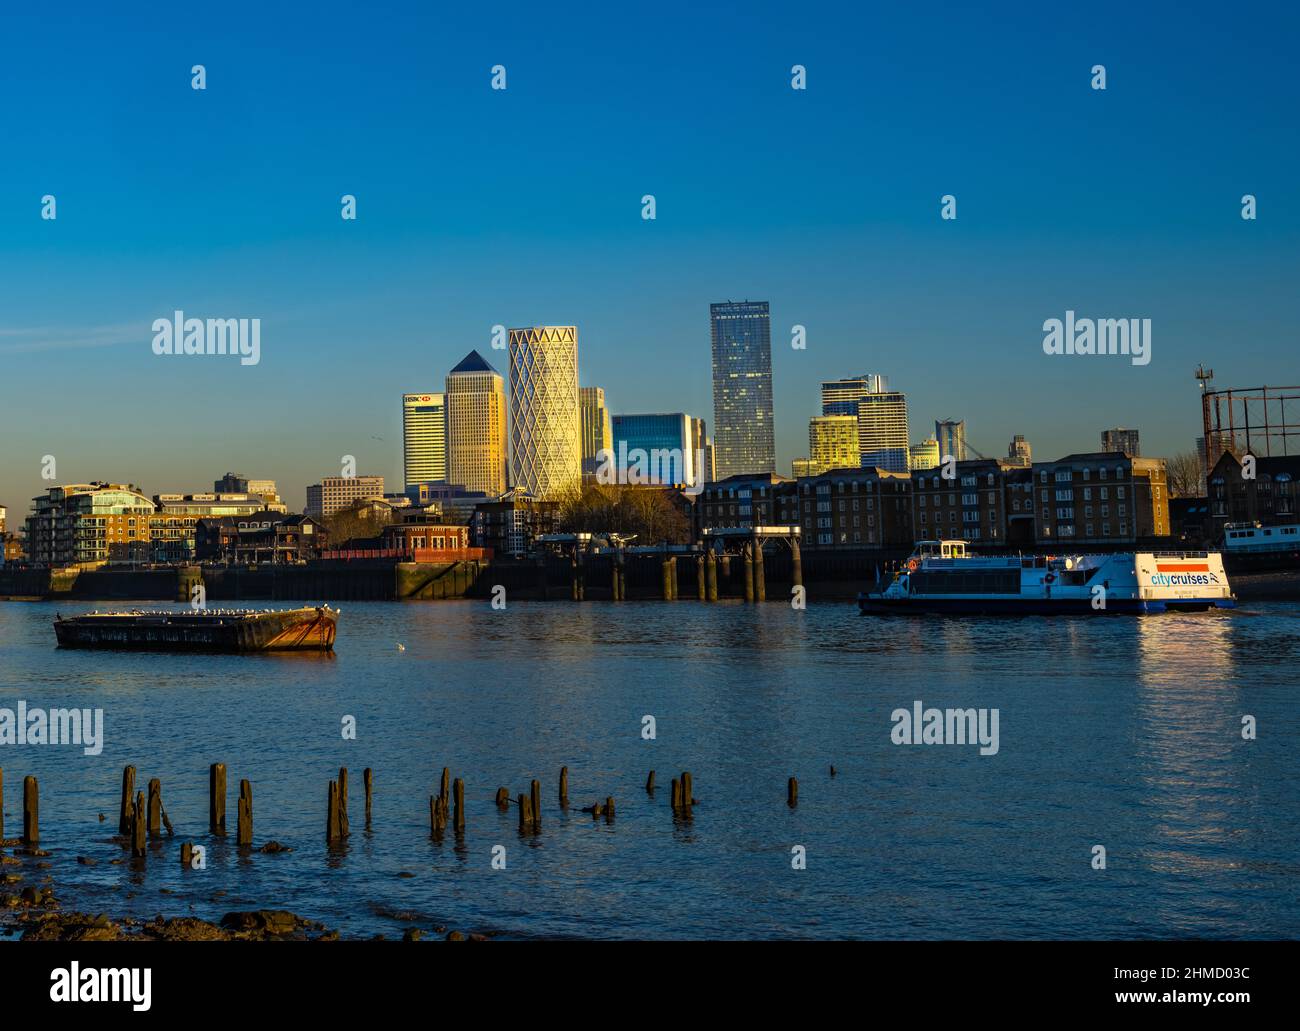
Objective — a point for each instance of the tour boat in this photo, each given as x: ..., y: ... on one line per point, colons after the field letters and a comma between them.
x: 941, y: 577
x: 212, y: 630
x: 1252, y: 545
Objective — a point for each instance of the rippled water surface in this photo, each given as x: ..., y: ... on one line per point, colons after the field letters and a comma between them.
x: 1122, y: 732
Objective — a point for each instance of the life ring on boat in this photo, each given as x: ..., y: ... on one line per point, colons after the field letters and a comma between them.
x: 913, y: 564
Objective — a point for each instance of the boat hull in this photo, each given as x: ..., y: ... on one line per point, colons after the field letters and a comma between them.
x: 873, y: 605
x: 311, y: 629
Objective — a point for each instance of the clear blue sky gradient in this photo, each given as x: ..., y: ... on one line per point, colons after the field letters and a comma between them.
x: 523, y: 207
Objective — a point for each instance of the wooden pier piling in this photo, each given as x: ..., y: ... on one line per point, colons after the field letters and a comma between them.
x: 138, y: 826
x: 155, y: 808
x: 525, y: 814
x: 760, y: 578
x: 368, y: 780
x: 650, y: 783
x: 503, y: 798
x: 749, y: 572
x: 609, y: 809
x: 564, y: 787
x: 688, y: 798
x: 128, y: 796
x: 31, y: 811
x: 216, y: 796
x: 244, y: 825
x: 710, y: 575
x: 535, y: 797
x: 187, y: 853
x: 344, y: 830
x: 677, y: 795
x: 458, y: 793
x: 792, y: 793
x: 333, y: 831
x: 796, y: 563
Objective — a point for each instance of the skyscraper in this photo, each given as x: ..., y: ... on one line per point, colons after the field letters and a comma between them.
x: 667, y: 443
x: 1121, y: 440
x: 951, y: 436
x: 476, y: 426
x: 545, y: 423
x: 882, y: 430
x: 833, y: 441
x: 596, y: 435
x: 743, y: 435
x: 703, y: 445
x: 881, y: 414
x: 424, y: 438
x: 1019, y: 452
x: 840, y: 396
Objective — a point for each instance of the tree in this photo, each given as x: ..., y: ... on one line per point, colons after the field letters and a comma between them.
x: 1185, y: 475
x: 359, y: 521
x: 653, y: 514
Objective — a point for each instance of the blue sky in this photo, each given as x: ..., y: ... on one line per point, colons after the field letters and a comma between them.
x: 478, y: 207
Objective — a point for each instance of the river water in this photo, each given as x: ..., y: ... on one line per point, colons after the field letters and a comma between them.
x: 1120, y: 732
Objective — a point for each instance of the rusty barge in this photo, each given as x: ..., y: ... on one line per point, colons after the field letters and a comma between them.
x: 222, y: 630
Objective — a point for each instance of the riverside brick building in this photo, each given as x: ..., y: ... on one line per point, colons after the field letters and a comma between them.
x: 975, y: 505
x: 855, y: 508
x: 1100, y: 498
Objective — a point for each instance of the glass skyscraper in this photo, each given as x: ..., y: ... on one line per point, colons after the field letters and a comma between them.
x: 743, y: 436
x: 951, y: 435
x: 424, y: 438
x: 545, y: 416
x: 882, y: 430
x: 840, y: 396
x: 669, y: 446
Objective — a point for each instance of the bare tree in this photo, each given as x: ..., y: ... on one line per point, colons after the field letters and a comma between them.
x: 1185, y: 475
x: 359, y: 521
x: 648, y: 512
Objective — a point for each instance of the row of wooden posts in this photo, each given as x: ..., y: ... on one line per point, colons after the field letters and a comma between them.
x: 706, y: 574
x: 141, y: 819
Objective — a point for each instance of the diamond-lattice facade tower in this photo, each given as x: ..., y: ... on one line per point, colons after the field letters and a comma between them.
x: 545, y: 416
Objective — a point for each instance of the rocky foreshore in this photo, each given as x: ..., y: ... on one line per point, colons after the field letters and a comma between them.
x: 252, y: 925
x: 30, y: 910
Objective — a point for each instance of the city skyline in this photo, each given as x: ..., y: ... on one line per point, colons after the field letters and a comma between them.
x: 836, y: 397
x: 356, y: 313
